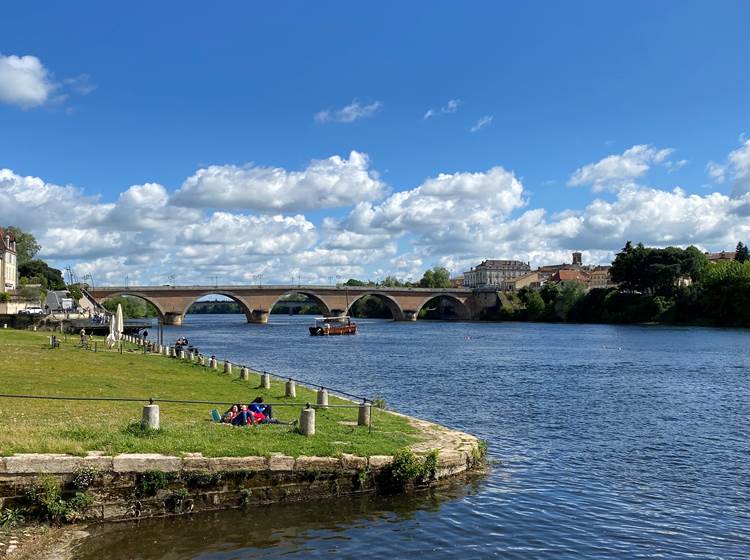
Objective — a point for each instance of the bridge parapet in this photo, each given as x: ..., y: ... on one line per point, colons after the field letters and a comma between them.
x: 173, y: 302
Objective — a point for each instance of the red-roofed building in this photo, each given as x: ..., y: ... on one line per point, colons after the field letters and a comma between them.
x: 722, y: 256
x: 565, y: 275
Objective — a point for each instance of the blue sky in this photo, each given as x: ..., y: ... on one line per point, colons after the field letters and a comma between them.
x: 152, y: 93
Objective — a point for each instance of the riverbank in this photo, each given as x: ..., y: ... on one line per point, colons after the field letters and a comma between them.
x: 91, y: 460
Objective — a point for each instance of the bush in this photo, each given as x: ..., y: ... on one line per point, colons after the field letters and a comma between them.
x: 407, y: 466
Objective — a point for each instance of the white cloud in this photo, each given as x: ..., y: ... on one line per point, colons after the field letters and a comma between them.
x: 484, y: 122
x: 454, y: 219
x: 325, y: 183
x: 737, y: 168
x: 617, y: 171
x: 451, y: 107
x: 350, y: 113
x: 24, y: 81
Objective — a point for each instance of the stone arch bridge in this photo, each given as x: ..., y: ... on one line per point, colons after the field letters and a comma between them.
x: 173, y: 302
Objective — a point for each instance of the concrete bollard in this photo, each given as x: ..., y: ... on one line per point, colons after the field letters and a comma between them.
x: 322, y: 397
x: 265, y: 381
x: 307, y: 421
x: 165, y: 350
x: 291, y: 389
x: 182, y: 354
x: 244, y: 373
x: 5, y: 325
x: 150, y: 417
x: 202, y: 360
x: 213, y: 363
x: 363, y: 418
x: 227, y: 367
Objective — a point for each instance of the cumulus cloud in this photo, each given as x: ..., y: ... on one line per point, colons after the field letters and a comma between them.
x: 483, y: 122
x: 24, y: 81
x: 324, y: 183
x: 737, y: 167
x: 617, y: 171
x: 454, y: 219
x: 450, y: 107
x: 350, y: 113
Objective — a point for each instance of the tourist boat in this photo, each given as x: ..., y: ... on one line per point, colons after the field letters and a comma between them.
x: 327, y: 326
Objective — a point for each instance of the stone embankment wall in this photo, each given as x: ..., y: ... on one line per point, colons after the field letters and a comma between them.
x: 129, y: 486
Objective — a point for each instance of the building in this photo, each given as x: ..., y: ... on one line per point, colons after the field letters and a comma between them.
x: 8, y: 261
x: 532, y: 280
x: 721, y: 256
x: 495, y: 273
x: 599, y: 277
x: 567, y: 275
x: 457, y: 282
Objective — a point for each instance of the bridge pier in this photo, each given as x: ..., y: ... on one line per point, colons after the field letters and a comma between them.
x: 259, y: 316
x: 173, y: 319
x: 409, y: 315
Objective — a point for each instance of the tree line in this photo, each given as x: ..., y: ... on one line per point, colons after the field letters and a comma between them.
x: 655, y: 285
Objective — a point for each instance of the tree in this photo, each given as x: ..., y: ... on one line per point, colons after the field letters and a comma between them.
x: 50, y: 278
x: 569, y: 296
x: 742, y: 253
x: 354, y: 282
x: 26, y: 245
x: 436, y: 277
x: 534, y: 306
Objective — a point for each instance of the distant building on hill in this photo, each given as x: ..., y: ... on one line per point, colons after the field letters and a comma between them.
x: 8, y: 261
x: 721, y: 256
x: 567, y: 275
x: 495, y: 273
x: 599, y: 277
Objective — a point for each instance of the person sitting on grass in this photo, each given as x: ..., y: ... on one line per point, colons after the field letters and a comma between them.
x: 257, y: 406
x: 244, y: 417
x: 229, y: 415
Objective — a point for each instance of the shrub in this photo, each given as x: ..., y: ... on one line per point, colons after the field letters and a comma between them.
x: 84, y: 477
x: 407, y: 466
x: 149, y: 482
x: 11, y: 517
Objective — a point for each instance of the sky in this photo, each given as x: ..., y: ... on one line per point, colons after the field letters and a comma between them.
x: 314, y: 141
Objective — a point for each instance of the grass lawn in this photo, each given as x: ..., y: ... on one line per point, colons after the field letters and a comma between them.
x: 28, y: 366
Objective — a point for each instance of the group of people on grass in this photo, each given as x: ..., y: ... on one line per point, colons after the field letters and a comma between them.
x: 247, y: 414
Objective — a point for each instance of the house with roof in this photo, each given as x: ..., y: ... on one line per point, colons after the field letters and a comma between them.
x: 567, y: 275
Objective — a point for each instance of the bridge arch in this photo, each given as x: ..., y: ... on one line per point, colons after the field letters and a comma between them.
x: 462, y: 311
x: 154, y: 303
x: 392, y: 304
x: 246, y: 309
x: 323, y: 305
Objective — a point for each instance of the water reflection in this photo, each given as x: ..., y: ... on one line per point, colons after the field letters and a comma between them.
x: 272, y: 531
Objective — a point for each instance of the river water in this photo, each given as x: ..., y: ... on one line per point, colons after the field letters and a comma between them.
x: 608, y: 442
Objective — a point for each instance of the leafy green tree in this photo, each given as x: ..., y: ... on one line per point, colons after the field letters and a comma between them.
x: 549, y: 293
x: 50, y: 278
x: 354, y: 282
x: 742, y: 253
x: 534, y: 306
x: 75, y: 292
x: 436, y: 277
x: 132, y: 307
x: 26, y: 245
x: 570, y: 294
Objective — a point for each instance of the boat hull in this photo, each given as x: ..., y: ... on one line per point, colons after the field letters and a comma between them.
x: 333, y: 330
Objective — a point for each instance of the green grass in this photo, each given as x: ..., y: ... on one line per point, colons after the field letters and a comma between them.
x: 30, y: 367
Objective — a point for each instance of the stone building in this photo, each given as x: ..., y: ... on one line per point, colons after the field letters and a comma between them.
x: 495, y: 273
x: 567, y: 275
x: 721, y: 256
x: 599, y: 277
x: 8, y: 261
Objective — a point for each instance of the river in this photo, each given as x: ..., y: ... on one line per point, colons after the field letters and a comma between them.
x: 607, y: 442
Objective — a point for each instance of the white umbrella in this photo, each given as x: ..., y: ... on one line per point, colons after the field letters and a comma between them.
x: 119, y: 327
x: 111, y: 337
